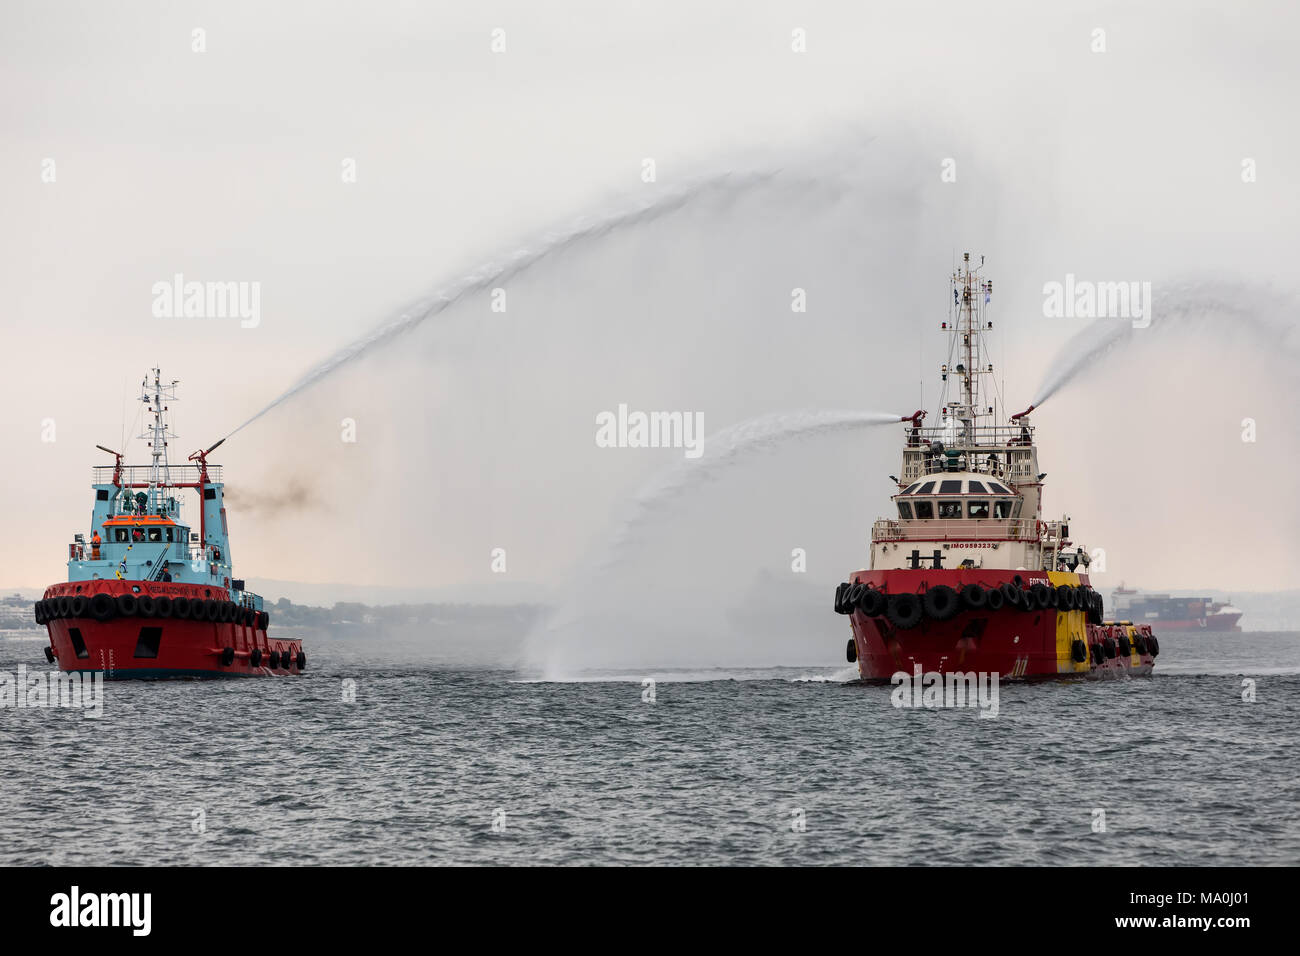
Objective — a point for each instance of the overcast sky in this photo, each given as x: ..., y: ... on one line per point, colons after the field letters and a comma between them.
x: 475, y: 431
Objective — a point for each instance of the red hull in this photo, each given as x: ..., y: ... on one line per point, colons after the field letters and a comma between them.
x: 139, y: 645
x: 1010, y: 642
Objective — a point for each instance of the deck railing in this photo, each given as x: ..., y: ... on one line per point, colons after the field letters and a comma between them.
x: 141, y: 474
x: 976, y: 529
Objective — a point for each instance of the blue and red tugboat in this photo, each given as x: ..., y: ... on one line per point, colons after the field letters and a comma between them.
x: 968, y: 575
x: 146, y: 595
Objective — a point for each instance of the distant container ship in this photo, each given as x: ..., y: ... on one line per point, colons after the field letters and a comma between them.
x: 1176, y: 613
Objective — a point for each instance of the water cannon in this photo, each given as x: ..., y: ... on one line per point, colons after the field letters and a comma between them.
x: 915, y: 418
x: 117, y: 465
x: 1020, y: 415
x: 202, y: 458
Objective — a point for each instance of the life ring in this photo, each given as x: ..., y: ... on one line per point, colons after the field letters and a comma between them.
x: 941, y: 602
x: 101, y: 607
x: 904, y: 610
x: 126, y: 605
x: 974, y: 597
x: 871, y: 602
x: 851, y: 652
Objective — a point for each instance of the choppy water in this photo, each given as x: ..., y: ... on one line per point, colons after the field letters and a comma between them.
x: 412, y: 772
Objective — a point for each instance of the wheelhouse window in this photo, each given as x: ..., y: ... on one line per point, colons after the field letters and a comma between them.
x: 925, y: 509
x: 155, y: 534
x: 975, y: 487
x: 926, y: 488
x: 1002, y: 509
x: 904, y: 510
x: 912, y: 487
x: 977, y: 509
x: 949, y: 488
x: 120, y: 534
x: 170, y: 531
x: 950, y: 509
x: 998, y: 489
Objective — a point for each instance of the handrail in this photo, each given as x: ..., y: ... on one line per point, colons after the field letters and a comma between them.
x: 132, y: 475
x: 976, y: 529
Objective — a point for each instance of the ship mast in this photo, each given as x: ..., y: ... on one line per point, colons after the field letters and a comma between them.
x: 968, y: 323
x: 154, y: 395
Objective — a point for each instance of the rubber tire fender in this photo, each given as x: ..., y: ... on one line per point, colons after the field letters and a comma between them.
x: 64, y: 604
x: 146, y: 606
x: 126, y: 605
x: 871, y: 602
x: 904, y: 610
x: 255, y: 657
x: 942, y: 602
x: 851, y: 652
x: 1078, y: 651
x: 1065, y: 598
x: 211, y: 610
x: 1012, y: 596
x: 995, y: 600
x: 974, y: 597
x: 301, y: 661
x: 1041, y: 595
x: 227, y: 656
x: 163, y: 606
x: 102, y: 607
x: 181, y: 607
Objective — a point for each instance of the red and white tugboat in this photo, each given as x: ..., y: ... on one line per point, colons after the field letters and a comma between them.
x: 968, y: 575
x: 148, y: 597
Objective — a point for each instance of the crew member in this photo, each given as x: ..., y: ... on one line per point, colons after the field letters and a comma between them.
x: 94, y: 546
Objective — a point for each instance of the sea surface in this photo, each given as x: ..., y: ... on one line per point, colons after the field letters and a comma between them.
x: 434, y: 764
